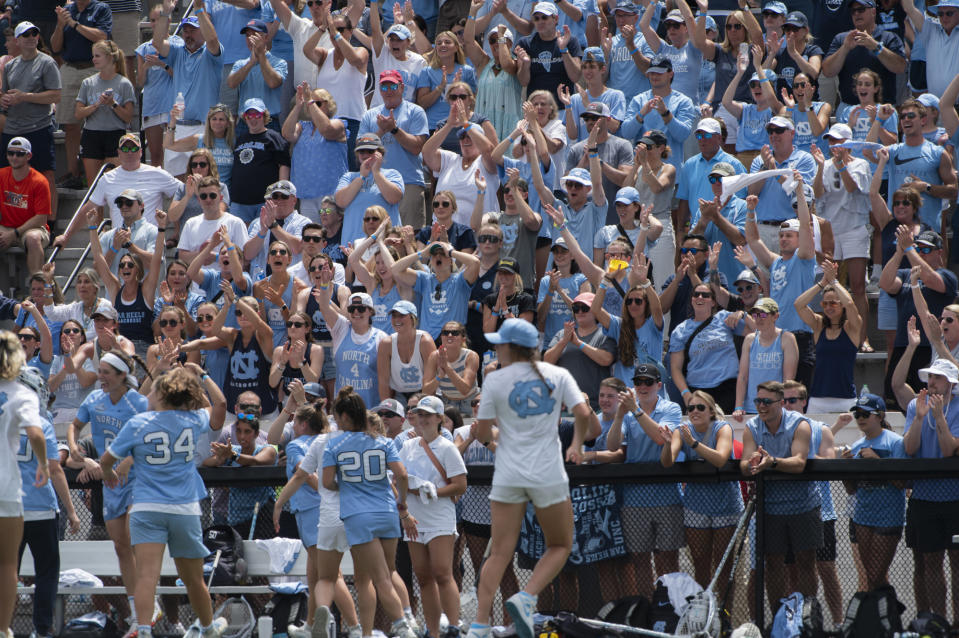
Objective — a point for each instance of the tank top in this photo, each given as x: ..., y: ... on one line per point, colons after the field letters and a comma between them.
x: 321, y: 332
x: 274, y: 315
x: 765, y: 364
x: 346, y: 84
x: 382, y: 304
x: 661, y: 201
x: 135, y: 319
x: 407, y: 377
x: 248, y: 371
x: 446, y: 387
x: 835, y: 364
x: 356, y: 366
x: 215, y: 362
x: 290, y: 373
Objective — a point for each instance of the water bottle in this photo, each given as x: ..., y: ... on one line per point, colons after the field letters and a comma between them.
x: 179, y: 104
x: 865, y: 389
x: 259, y: 272
x: 488, y: 357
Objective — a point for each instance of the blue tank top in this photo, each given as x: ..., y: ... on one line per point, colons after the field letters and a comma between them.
x: 134, y: 320
x: 290, y: 373
x: 765, y: 364
x: 752, y: 128
x: 784, y: 497
x: 248, y: 370
x: 712, y: 499
x: 383, y: 304
x: 274, y: 314
x: 356, y: 365
x: 321, y: 332
x: 835, y: 365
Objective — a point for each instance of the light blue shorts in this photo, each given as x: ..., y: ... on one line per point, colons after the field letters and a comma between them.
x: 117, y: 500
x: 329, y: 363
x: 306, y: 523
x: 362, y: 528
x: 886, y: 313
x: 182, y: 533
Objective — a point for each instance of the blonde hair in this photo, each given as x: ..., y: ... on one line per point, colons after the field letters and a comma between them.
x: 741, y: 17
x: 381, y: 213
x: 180, y: 389
x: 209, y: 140
x: 433, y: 58
x: 12, y: 356
x: 110, y: 48
x: 710, y: 402
x: 322, y: 95
x: 206, y: 154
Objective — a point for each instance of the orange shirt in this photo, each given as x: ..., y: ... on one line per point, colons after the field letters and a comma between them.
x: 24, y: 199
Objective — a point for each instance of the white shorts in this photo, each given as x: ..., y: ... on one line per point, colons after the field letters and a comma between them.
x: 853, y: 244
x: 424, y: 536
x: 154, y: 120
x: 332, y: 538
x: 174, y: 162
x: 542, y: 496
x: 11, y: 509
x: 829, y: 405
x: 696, y: 520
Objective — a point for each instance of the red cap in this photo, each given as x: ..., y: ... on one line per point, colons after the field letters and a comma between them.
x: 391, y: 76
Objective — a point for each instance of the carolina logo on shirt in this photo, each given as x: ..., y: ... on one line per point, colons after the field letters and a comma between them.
x: 16, y: 200
x: 246, y: 156
x: 530, y: 398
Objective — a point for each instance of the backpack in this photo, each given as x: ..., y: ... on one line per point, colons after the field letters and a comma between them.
x: 285, y: 610
x: 93, y: 625
x: 231, y: 566
x: 930, y: 625
x: 798, y: 617
x: 873, y: 614
x: 662, y: 614
x: 629, y: 610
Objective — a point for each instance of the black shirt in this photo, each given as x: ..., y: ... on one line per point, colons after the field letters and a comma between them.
x: 547, y: 71
x: 460, y: 236
x: 861, y: 58
x: 257, y: 158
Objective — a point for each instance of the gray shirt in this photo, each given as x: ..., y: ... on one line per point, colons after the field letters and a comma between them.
x: 143, y: 234
x: 104, y: 118
x: 615, y: 151
x: 30, y: 76
x: 519, y: 243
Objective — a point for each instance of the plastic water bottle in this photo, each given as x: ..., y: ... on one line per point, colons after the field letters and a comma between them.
x: 259, y: 272
x: 180, y: 104
x: 865, y: 389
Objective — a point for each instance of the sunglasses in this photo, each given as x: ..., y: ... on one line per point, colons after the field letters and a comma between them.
x: 370, y: 220
x: 704, y: 136
x: 946, y: 14
x: 387, y: 415
x: 702, y: 294
x: 295, y: 324
x: 313, y: 239
x: 279, y: 251
x: 746, y: 288
x: 925, y: 250
x: 792, y: 400
x: 580, y: 308
x: 249, y: 407
x: 356, y: 309
x: 282, y: 196
x: 438, y: 292
x: 16, y: 153
x: 901, y: 202
x: 754, y: 84
x: 253, y: 114
x: 715, y: 179
x: 759, y: 314
x: 206, y: 196
x: 26, y: 337
x: 788, y: 28
x: 33, y: 33
x: 800, y: 85
x: 127, y: 264
x: 778, y: 130
x: 123, y: 203
x: 342, y: 29
x: 457, y: 96
x: 205, y: 317
x: 316, y: 268
x: 733, y: 26
x: 70, y: 331
x: 451, y: 333
x: 129, y: 148
x: 590, y: 118
x: 861, y: 414
x: 327, y: 211
x: 635, y: 301
x: 910, y: 115
x: 199, y: 164
x: 691, y: 251
x: 858, y: 9
x: 164, y: 323
x: 645, y: 381
x: 488, y: 239
x: 698, y: 407
x: 439, y: 204
x: 388, y: 86
x: 767, y: 402
x: 539, y: 17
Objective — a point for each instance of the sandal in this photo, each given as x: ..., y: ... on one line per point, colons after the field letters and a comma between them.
x: 866, y: 348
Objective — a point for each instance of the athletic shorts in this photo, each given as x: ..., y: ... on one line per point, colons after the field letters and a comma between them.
x: 11, y: 509
x: 181, y: 533
x: 695, y: 520
x: 99, y: 145
x: 796, y: 532
x: 365, y: 527
x: 424, y: 536
x: 117, y: 500
x: 332, y: 538
x: 930, y: 525
x: 879, y: 531
x: 853, y: 244
x: 653, y: 529
x: 824, y: 554
x: 478, y: 530
x: 540, y: 496
x: 306, y: 523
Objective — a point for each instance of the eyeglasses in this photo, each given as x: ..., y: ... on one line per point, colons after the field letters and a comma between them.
x: 733, y: 26
x: 698, y: 407
x: 635, y: 301
x: 704, y: 136
x: 488, y: 239
x: 911, y: 115
x: 746, y: 288
x: 122, y: 202
x: 760, y: 314
x: 754, y: 84
x: 164, y: 323
x: 691, y: 251
x: 861, y: 414
x: 253, y: 114
x: 570, y: 184
x: 206, y: 196
x: 70, y: 331
x: 457, y: 96
x: 948, y: 319
x: 715, y: 179
x: 127, y: 264
x: 579, y: 308
x: 342, y: 29
x: 16, y: 153
x: 767, y: 402
x: 777, y: 130
x: 313, y: 239
x: 278, y: 251
x: 295, y: 324
x: 925, y: 250
x: 356, y: 309
x: 26, y: 337
x: 830, y: 302
x: 370, y: 220
x: 792, y: 400
x: 451, y: 333
x: 199, y: 164
x: 645, y: 381
x: 205, y: 317
x: 129, y: 148
x: 705, y: 294
x: 388, y: 86
x: 901, y: 202
x: 439, y: 204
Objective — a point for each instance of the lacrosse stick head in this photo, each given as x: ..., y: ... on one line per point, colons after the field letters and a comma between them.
x: 701, y: 616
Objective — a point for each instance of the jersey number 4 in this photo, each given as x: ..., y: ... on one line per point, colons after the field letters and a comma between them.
x: 184, y: 444
x: 373, y: 463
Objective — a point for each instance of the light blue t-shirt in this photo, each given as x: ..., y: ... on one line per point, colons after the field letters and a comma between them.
x: 789, y: 278
x: 254, y: 85
x: 861, y: 128
x: 222, y: 155
x: 582, y: 224
x: 752, y: 134
x: 409, y: 117
x: 369, y: 195
x: 774, y: 204
x: 559, y: 313
x: 211, y: 288
x: 306, y: 497
x: 430, y: 78
x: 441, y: 302
x: 613, y: 98
x: 804, y: 139
x: 880, y: 504
x: 37, y: 499
x: 784, y: 497
x: 687, y: 62
x: 735, y: 212
x: 711, y: 499
x: 712, y: 355
x: 623, y: 72
x: 197, y: 76
x: 923, y: 162
x: 641, y: 449
x: 648, y: 343
x: 939, y: 490
x: 677, y: 130
x: 692, y: 180
x: 163, y: 446
x: 106, y: 419
x: 229, y: 20
x: 578, y: 28
x: 282, y: 42
x: 158, y: 88
x: 361, y: 463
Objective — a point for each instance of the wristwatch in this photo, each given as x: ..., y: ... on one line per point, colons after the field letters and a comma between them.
x: 775, y: 463
x: 395, y: 130
x: 273, y: 225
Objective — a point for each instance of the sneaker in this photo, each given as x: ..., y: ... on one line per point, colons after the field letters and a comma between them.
x: 354, y: 632
x: 74, y: 182
x: 157, y: 612
x: 298, y: 631
x: 177, y: 628
x: 216, y: 629
x: 194, y: 630
x: 747, y: 630
x: 520, y: 607
x: 477, y: 630
x: 144, y: 633
x: 444, y: 623
x: 452, y: 631
x: 401, y: 629
x: 414, y: 626
x: 321, y: 623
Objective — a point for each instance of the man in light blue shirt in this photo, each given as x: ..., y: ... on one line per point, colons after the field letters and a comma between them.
x: 692, y: 183
x: 626, y: 61
x: 260, y: 74
x: 661, y: 108
x: 229, y: 20
x: 403, y: 129
x: 723, y: 221
x: 372, y: 185
x: 686, y: 58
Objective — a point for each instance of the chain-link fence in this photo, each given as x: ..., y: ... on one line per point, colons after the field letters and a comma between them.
x: 836, y: 529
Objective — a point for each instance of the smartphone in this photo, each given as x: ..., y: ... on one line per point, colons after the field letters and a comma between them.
x: 744, y: 50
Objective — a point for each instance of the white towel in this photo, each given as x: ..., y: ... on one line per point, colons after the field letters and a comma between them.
x: 78, y: 578
x: 283, y: 553
x: 735, y: 183
x: 681, y: 586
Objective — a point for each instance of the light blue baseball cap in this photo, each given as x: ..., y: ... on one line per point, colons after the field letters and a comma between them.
x: 515, y: 331
x: 404, y: 307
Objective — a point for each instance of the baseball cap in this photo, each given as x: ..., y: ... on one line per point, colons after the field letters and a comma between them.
x: 791, y: 225
x: 361, y: 299
x: 559, y: 243
x: 190, y: 21
x: 869, y: 402
x: 647, y: 371
x: 709, y: 125
x: 929, y: 100
x: 942, y: 368
x: 766, y: 305
x: 770, y: 75
x: 130, y: 137
x: 254, y: 104
x: 723, y: 168
x: 660, y: 64
x: 509, y: 265
x: 254, y: 25
x: 284, y: 186
x: 391, y: 75
x: 797, y: 19
x: 515, y: 331
x: 674, y: 16
x: 20, y: 143
x: 808, y: 194
x: 314, y: 389
x: 839, y: 131
x: 627, y: 195
x: 747, y: 275
x: 866, y: 3
x: 391, y: 405
x: 711, y: 24
x: 578, y: 175
x: 594, y: 54
x: 546, y: 8
x: 106, y: 310
x: 775, y: 7
x: 430, y: 405
x: 400, y: 31
x: 600, y: 109
x: 626, y: 6
x: 23, y: 27
x: 404, y: 307
x: 131, y: 194
x: 654, y: 137
x: 929, y: 238
x: 781, y: 122
x: 369, y: 142
x: 585, y: 298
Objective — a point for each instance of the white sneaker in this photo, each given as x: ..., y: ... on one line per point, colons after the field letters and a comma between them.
x: 216, y: 629
x: 401, y: 629
x: 298, y: 631
x: 747, y: 630
x: 521, y: 607
x: 157, y: 612
x: 193, y: 631
x: 144, y: 633
x: 414, y: 626
x: 477, y: 630
x: 354, y: 632
x: 321, y: 622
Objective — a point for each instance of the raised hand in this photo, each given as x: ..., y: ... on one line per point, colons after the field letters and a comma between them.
x: 562, y: 92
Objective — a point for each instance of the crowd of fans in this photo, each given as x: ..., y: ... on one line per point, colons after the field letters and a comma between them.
x: 687, y: 203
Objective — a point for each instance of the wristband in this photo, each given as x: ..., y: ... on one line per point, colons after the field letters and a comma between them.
x: 199, y: 10
x: 563, y: 51
x: 878, y: 50
x: 908, y: 248
x: 603, y: 286
x: 16, y: 232
x: 592, y: 155
x: 471, y: 17
x: 228, y: 248
x: 112, y: 249
x: 841, y: 169
x: 685, y: 392
x: 419, y: 254
x: 761, y: 80
x: 394, y: 130
x: 882, y: 121
x: 634, y: 52
x: 337, y: 37
x: 324, y: 286
x: 915, y: 286
x: 204, y: 377
x: 373, y: 237
x: 638, y: 413
x: 91, y: 227
x: 582, y: 345
x: 493, y: 313
x: 739, y: 407
x: 594, y: 149
x: 479, y: 192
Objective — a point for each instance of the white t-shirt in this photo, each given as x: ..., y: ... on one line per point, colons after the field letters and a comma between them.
x: 151, y: 182
x: 409, y: 68
x: 300, y: 30
x: 200, y: 229
x: 298, y: 270
x: 452, y: 177
x: 19, y: 408
x: 846, y: 211
x: 440, y: 514
x: 312, y: 463
x: 556, y: 130
x: 528, y: 452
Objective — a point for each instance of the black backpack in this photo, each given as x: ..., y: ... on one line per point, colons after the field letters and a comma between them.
x: 873, y: 614
x: 285, y: 610
x: 662, y: 614
x: 231, y: 566
x: 930, y: 625
x: 629, y: 610
x: 93, y: 625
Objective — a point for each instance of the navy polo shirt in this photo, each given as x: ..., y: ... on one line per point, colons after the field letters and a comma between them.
x: 76, y: 47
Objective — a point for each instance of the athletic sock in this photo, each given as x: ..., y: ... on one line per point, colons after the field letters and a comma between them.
x: 144, y: 628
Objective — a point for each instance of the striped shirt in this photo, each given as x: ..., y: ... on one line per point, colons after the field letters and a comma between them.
x: 446, y: 387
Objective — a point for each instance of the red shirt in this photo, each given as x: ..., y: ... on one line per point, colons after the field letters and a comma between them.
x: 24, y: 199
